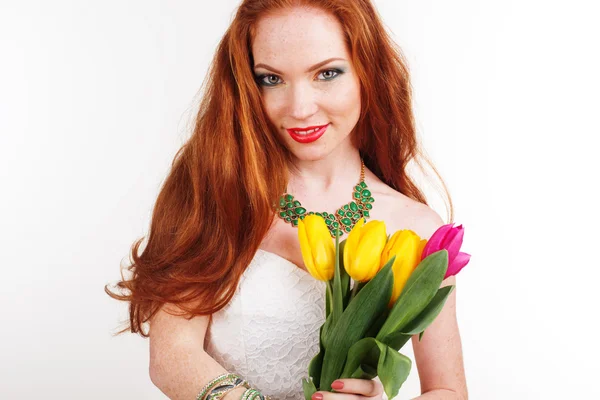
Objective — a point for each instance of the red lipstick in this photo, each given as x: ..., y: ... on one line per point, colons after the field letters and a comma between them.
x: 300, y: 135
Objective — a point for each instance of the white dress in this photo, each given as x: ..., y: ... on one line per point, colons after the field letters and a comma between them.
x: 269, y: 331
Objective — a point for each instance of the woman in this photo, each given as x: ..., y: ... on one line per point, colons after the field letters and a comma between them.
x: 299, y: 95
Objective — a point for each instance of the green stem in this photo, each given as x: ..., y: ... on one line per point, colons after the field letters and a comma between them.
x: 330, y: 293
x: 354, y: 289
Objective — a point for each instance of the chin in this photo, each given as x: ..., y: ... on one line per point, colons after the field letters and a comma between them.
x: 309, y: 154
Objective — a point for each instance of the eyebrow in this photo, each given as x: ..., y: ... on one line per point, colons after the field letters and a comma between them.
x: 317, y: 65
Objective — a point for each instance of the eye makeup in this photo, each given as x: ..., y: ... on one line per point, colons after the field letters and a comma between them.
x: 260, y: 79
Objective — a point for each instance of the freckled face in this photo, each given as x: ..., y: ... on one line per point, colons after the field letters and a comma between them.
x: 307, y: 80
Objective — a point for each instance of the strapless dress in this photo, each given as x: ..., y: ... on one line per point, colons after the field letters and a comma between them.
x: 269, y: 331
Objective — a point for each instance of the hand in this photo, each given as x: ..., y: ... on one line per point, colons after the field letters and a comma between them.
x: 352, y: 389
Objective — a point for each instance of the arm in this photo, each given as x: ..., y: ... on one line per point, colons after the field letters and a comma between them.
x: 439, y: 353
x: 179, y: 366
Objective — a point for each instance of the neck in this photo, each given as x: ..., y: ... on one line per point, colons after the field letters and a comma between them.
x: 328, y: 175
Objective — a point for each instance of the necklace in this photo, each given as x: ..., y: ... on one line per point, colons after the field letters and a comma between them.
x: 344, y: 218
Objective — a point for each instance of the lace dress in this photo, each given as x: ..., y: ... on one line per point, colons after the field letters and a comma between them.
x: 269, y: 331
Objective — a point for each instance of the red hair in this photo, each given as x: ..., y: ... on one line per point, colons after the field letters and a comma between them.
x: 217, y: 202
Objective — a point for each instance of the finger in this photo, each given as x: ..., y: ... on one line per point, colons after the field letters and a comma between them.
x: 364, y: 387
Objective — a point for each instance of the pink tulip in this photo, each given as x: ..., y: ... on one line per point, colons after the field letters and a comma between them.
x: 450, y: 238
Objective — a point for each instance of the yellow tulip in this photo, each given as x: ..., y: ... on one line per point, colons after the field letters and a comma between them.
x: 362, y: 252
x: 407, y: 246
x: 316, y: 244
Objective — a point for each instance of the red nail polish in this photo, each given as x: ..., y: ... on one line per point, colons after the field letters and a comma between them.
x: 317, y: 396
x: 337, y: 385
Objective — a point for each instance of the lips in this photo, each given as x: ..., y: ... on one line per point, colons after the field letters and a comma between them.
x: 308, y: 134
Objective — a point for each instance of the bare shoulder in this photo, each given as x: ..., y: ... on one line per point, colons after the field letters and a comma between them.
x: 419, y: 218
x: 425, y: 220
x: 401, y: 212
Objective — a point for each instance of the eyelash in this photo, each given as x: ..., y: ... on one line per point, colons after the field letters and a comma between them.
x: 260, y: 78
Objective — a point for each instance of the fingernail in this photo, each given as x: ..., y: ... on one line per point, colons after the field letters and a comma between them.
x: 337, y: 385
x: 317, y: 396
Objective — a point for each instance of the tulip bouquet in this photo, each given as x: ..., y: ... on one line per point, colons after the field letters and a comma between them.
x: 396, y: 294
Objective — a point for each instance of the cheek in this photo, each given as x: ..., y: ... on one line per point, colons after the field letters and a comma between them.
x: 274, y: 106
x: 344, y: 100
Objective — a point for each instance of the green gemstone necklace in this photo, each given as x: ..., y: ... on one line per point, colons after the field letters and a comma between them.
x: 344, y: 218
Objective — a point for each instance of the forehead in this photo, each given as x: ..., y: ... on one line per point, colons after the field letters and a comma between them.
x: 298, y: 37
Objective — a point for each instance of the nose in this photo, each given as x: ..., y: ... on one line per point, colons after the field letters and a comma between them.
x: 302, y: 102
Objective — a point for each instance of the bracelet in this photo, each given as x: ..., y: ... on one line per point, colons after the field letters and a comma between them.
x: 253, y: 394
x: 220, y: 391
x: 216, y: 388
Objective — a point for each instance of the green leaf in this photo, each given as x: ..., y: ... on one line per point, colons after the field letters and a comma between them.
x: 338, y: 305
x: 368, y: 355
x: 364, y: 371
x: 309, y: 388
x: 360, y: 354
x: 360, y: 314
x: 374, y: 329
x: 420, y: 288
x: 398, y: 339
x: 315, y: 365
x: 326, y: 328
x: 314, y: 368
x: 345, y: 278
x: 428, y: 315
x: 393, y: 371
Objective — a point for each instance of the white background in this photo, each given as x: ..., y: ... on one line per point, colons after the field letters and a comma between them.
x: 96, y: 97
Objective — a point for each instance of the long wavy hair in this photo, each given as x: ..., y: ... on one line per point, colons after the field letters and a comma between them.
x: 216, y: 204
